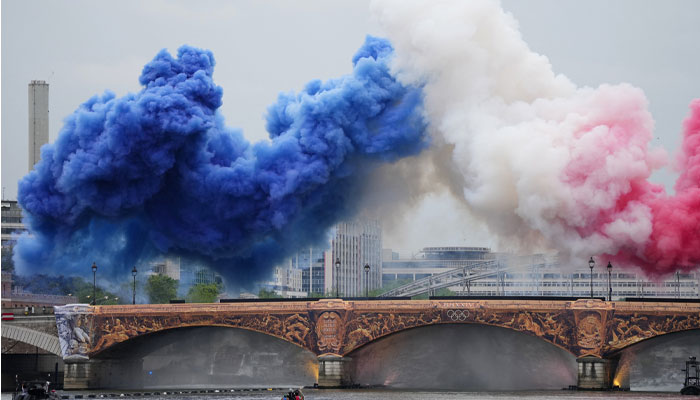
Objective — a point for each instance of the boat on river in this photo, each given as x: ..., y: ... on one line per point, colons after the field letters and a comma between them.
x: 35, y: 390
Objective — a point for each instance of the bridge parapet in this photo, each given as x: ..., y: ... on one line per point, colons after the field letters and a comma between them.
x: 586, y: 327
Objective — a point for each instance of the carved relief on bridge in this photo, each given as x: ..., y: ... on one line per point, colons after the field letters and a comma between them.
x: 553, y: 326
x: 110, y: 330
x: 329, y: 332
x: 363, y: 328
x: 74, y: 324
x: 627, y: 328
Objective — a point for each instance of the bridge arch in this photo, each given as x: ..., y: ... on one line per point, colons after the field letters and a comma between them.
x: 206, y: 355
x: 656, y: 362
x: 41, y: 340
x: 107, y: 344
x: 463, y: 357
x: 537, y: 334
x: 639, y: 341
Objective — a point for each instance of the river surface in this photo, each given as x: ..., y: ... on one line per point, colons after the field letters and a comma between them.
x: 363, y: 394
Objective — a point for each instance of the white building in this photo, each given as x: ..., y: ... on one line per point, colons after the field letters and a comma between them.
x: 354, y: 244
x: 536, y: 275
x: 287, y: 282
x: 170, y: 266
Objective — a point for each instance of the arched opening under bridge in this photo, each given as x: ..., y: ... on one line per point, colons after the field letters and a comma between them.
x: 463, y: 357
x: 207, y: 357
x: 655, y: 364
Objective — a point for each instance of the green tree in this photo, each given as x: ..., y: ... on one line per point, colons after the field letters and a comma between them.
x: 161, y: 289
x: 439, y: 292
x: 268, y: 294
x: 203, y: 293
x: 389, y: 286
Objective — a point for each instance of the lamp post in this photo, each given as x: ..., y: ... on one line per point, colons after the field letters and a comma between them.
x: 337, y: 277
x: 678, y: 284
x: 366, y: 280
x: 609, y: 281
x: 94, y: 283
x: 133, y: 273
x: 591, y: 264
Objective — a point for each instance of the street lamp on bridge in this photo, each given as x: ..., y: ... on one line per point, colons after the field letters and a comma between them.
x: 337, y: 277
x: 133, y: 273
x: 591, y: 264
x: 609, y: 281
x: 94, y: 283
x: 366, y: 280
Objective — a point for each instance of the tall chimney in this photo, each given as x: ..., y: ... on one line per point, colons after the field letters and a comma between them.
x: 38, y: 119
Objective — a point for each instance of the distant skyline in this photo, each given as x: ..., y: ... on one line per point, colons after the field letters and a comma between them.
x: 83, y: 48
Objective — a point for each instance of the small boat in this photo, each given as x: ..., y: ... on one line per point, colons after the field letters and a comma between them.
x: 691, y: 385
x: 35, y: 390
x: 293, y: 395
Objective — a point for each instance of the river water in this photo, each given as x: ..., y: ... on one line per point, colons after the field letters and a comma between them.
x: 362, y: 394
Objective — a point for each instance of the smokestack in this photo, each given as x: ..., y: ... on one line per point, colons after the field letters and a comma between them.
x: 38, y: 119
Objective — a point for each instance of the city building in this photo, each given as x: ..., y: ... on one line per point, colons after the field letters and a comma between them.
x: 354, y: 245
x: 38, y: 120
x: 311, y: 263
x: 430, y: 261
x: 287, y: 282
x: 169, y: 266
x: 15, y: 300
x: 535, y: 275
x: 11, y: 226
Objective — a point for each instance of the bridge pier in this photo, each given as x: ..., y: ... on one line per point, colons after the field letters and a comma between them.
x: 101, y: 373
x: 596, y: 373
x: 80, y: 375
x: 334, y: 371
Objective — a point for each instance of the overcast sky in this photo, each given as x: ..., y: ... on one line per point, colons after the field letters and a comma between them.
x: 264, y: 47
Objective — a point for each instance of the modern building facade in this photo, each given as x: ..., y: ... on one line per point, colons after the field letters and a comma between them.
x: 354, y: 245
x: 287, y: 282
x: 311, y: 263
x: 38, y: 97
x: 542, y: 275
x: 430, y: 261
x: 169, y: 266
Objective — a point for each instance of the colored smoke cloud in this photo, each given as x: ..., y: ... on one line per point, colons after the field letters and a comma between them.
x: 158, y: 172
x: 544, y: 163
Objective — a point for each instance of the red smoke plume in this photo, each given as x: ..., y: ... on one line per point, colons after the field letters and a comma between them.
x: 675, y: 239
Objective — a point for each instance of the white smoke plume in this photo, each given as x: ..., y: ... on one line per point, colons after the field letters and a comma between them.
x: 542, y: 161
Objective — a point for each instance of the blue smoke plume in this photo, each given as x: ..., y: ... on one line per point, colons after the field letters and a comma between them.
x: 158, y: 172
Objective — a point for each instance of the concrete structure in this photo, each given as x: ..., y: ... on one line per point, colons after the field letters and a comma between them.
x: 169, y: 266
x: 287, y: 282
x: 30, y: 349
x: 595, y: 332
x: 18, y: 302
x: 38, y: 120
x: 536, y: 275
x: 430, y: 261
x: 355, y: 244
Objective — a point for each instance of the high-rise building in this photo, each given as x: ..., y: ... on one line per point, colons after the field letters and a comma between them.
x: 354, y: 245
x: 310, y: 262
x: 38, y: 119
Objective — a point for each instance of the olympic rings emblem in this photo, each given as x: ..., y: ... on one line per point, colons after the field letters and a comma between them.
x: 458, y: 315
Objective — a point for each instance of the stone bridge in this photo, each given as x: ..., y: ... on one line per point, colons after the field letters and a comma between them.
x: 592, y: 330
